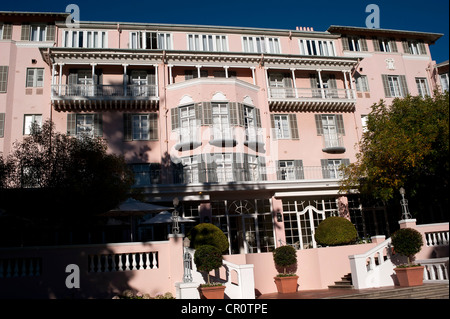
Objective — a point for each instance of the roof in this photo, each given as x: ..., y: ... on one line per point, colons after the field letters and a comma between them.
x: 428, y: 36
x: 27, y: 13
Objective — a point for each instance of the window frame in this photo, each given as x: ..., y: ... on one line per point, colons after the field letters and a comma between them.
x: 34, y: 81
x: 422, y: 85
x: 27, y: 130
x: 197, y: 41
x: 260, y: 44
x: 138, y: 40
x: 318, y: 46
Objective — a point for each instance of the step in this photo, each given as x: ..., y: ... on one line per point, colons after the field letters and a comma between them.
x: 427, y: 291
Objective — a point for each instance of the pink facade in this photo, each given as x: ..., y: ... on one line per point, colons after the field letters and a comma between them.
x: 247, y: 127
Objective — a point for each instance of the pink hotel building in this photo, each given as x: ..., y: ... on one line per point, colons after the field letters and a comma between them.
x: 248, y: 127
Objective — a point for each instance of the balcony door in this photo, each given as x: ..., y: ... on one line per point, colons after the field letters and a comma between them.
x: 139, y: 83
x: 330, y: 131
x: 280, y: 85
x: 85, y: 83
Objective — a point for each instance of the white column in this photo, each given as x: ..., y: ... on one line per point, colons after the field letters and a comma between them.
x: 53, y: 78
x: 156, y: 80
x: 352, y: 85
x: 322, y: 91
x: 347, y: 93
x: 94, y: 85
x: 226, y: 71
x: 198, y: 70
x: 125, y: 80
x: 267, y: 82
x: 170, y: 73
x: 293, y: 81
x: 253, y: 74
x: 60, y: 78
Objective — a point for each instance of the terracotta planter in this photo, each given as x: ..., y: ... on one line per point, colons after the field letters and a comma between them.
x: 286, y: 285
x: 410, y: 276
x: 216, y: 292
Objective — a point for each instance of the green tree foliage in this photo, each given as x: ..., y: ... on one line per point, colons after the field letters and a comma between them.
x: 406, y: 145
x: 54, y: 174
x: 335, y: 231
x: 284, y: 257
x: 208, y: 234
x: 407, y: 242
x: 207, y: 258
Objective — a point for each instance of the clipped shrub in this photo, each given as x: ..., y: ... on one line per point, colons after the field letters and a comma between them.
x: 208, y: 234
x: 334, y: 231
x: 407, y: 242
x: 285, y: 257
x: 207, y: 258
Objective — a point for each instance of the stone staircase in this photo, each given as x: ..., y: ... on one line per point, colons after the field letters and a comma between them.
x: 345, y: 282
x: 426, y: 291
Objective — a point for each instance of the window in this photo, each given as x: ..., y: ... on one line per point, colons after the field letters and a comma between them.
x: 261, y: 44
x: 2, y: 124
x: 362, y: 83
x: 85, y: 39
x: 37, y: 32
x: 444, y: 81
x: 317, y: 47
x: 284, y: 126
x: 384, y: 45
x: 150, y: 40
x: 290, y: 170
x: 146, y: 174
x: 224, y: 167
x: 6, y: 31
x: 29, y: 121
x: 331, y: 127
x: 89, y: 124
x: 394, y: 85
x: 422, y: 87
x: 207, y: 42
x: 364, y: 119
x: 414, y: 47
x: 221, y: 122
x: 191, y: 168
x: 140, y: 127
x: 354, y: 43
x: 3, y: 78
x: 331, y: 168
x: 35, y: 77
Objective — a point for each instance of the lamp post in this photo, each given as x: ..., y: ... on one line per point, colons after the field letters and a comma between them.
x: 175, y: 216
x: 187, y: 261
x: 404, y: 203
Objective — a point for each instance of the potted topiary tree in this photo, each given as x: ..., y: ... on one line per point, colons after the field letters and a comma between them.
x: 408, y: 242
x: 208, y: 258
x: 285, y: 257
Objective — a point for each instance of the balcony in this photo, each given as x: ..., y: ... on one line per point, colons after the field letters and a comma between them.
x: 78, y: 97
x: 309, y: 99
x: 333, y: 143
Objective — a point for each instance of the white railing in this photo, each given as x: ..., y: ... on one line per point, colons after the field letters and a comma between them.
x: 373, y: 268
x: 309, y: 93
x: 438, y: 238
x: 99, y: 90
x: 238, y: 280
x: 122, y: 262
x: 436, y: 269
x: 20, y: 267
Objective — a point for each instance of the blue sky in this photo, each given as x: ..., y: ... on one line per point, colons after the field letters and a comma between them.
x: 283, y: 14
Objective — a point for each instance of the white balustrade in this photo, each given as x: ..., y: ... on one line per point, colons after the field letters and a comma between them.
x: 437, y: 238
x: 123, y: 262
x: 373, y: 268
x: 239, y: 281
x: 435, y: 269
x: 20, y: 267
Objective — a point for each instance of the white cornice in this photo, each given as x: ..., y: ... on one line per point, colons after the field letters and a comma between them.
x: 218, y: 81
